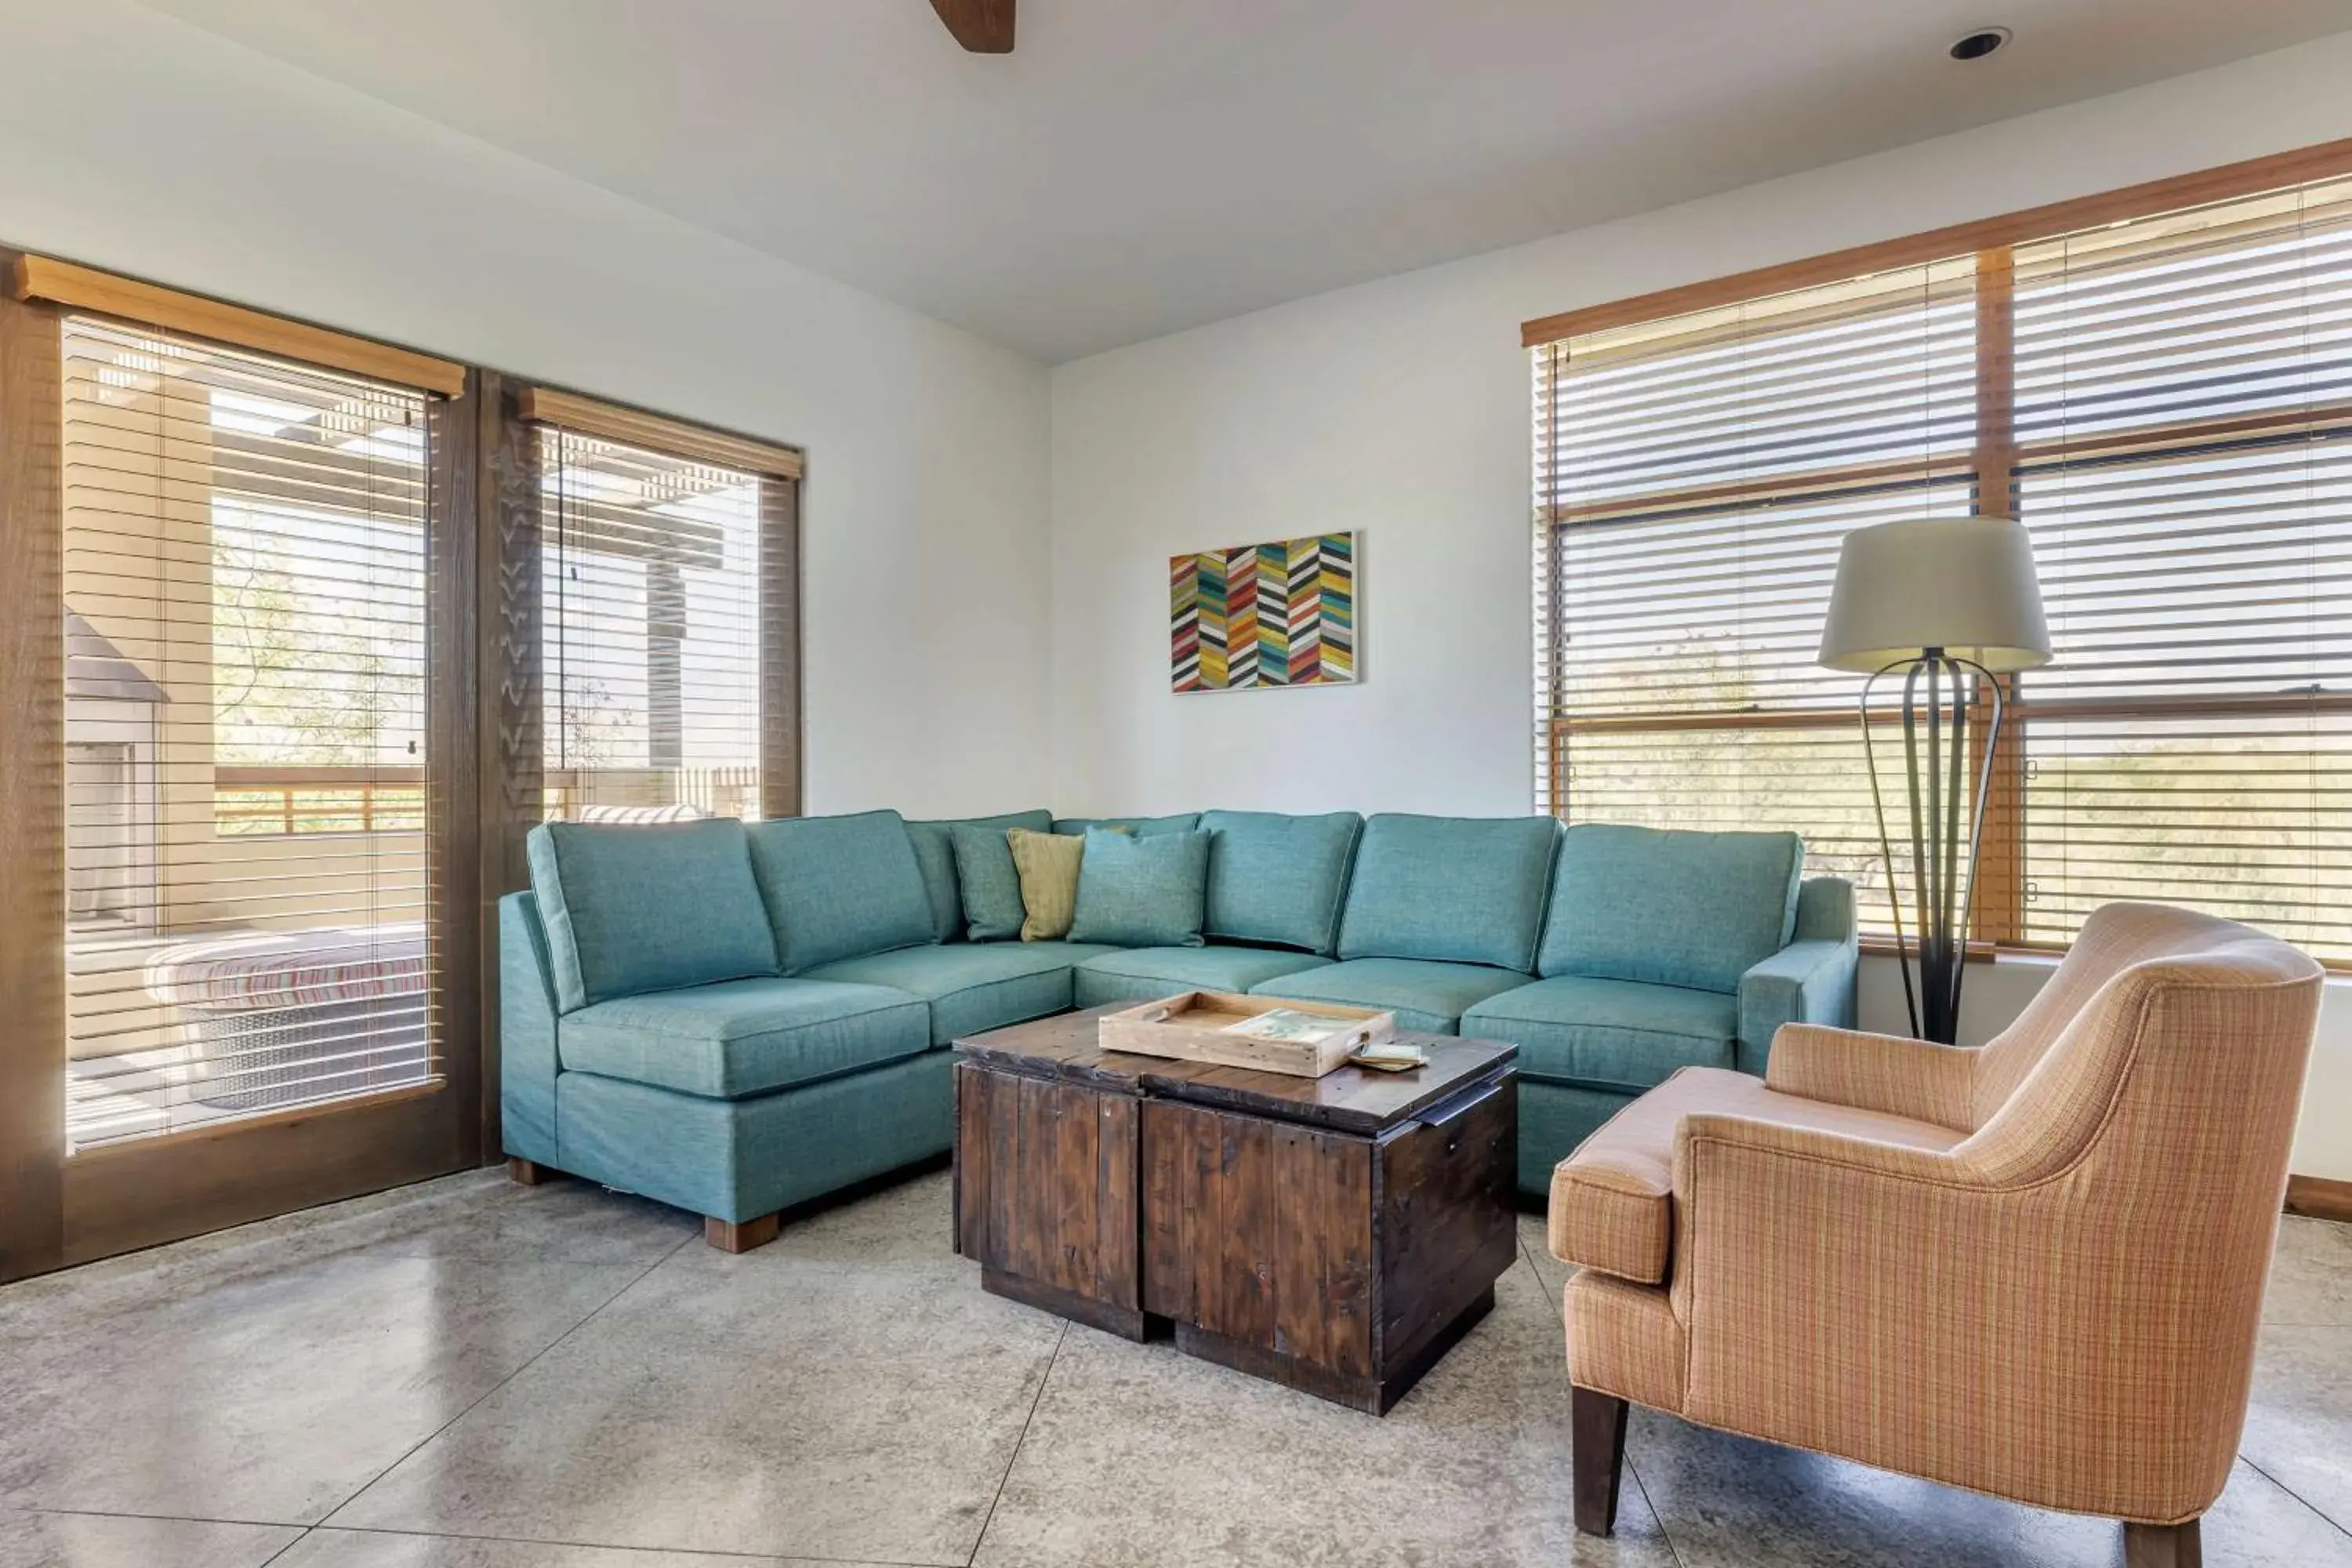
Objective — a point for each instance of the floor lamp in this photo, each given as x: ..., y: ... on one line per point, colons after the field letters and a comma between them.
x: 1952, y: 604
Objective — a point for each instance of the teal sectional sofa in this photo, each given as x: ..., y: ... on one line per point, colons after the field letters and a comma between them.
x: 736, y: 1019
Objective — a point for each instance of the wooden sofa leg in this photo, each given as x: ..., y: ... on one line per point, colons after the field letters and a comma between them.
x: 1596, y: 1455
x: 740, y: 1236
x: 2163, y: 1546
x: 527, y: 1173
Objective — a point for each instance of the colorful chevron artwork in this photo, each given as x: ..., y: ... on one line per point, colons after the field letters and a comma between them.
x: 1263, y: 615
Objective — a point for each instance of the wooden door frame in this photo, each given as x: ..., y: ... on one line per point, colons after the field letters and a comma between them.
x: 58, y: 1208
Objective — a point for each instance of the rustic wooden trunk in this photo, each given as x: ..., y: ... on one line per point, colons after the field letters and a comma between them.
x: 1335, y: 1236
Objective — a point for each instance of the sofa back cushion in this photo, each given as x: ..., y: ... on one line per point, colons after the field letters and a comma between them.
x: 1141, y: 826
x: 934, y: 845
x: 1670, y: 907
x: 1467, y: 889
x: 1278, y: 879
x: 1141, y: 891
x: 628, y: 910
x: 840, y: 887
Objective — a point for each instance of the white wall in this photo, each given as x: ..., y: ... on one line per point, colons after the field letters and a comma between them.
x: 129, y: 140
x: 1401, y: 409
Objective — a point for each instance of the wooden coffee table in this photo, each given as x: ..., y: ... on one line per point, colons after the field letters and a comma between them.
x: 1337, y: 1235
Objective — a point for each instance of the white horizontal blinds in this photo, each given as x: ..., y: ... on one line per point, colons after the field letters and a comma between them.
x: 245, y: 580
x: 1693, y: 479
x: 651, y: 657
x: 2184, y: 392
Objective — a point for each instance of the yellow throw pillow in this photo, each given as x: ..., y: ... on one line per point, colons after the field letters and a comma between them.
x: 1047, y: 864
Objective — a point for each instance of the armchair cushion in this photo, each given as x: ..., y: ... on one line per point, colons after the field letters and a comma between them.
x: 1669, y: 907
x: 1612, y: 1201
x: 1608, y: 1034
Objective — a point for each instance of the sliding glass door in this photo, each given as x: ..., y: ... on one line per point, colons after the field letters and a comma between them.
x: 248, y: 806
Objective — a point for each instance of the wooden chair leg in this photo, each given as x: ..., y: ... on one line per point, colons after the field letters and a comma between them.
x: 740, y: 1236
x: 1596, y: 1455
x: 2163, y: 1546
x: 527, y: 1173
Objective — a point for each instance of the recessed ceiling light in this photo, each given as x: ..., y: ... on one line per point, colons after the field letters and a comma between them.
x: 1978, y: 44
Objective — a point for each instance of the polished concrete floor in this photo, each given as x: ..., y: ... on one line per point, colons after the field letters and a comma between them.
x: 468, y: 1374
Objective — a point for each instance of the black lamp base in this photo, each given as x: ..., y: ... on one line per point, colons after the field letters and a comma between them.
x: 1936, y: 700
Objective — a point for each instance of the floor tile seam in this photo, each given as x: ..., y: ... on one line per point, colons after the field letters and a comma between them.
x: 529, y: 1361
x: 162, y: 1518
x: 1656, y: 1517
x: 2334, y: 1523
x: 1014, y: 1459
x: 787, y: 1557
x: 300, y: 1536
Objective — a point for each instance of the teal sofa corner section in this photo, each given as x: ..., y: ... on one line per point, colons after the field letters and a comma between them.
x: 736, y: 1020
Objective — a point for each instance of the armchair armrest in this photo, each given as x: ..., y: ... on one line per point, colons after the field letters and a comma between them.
x: 1876, y: 1072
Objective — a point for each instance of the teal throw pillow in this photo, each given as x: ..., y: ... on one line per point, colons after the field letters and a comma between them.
x: 934, y: 844
x: 1142, y: 891
x: 991, y: 887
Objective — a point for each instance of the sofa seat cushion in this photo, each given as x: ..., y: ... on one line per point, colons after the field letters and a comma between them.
x: 1140, y: 974
x: 1610, y: 1033
x: 1669, y: 905
x: 974, y: 986
x: 1612, y: 1201
x: 1424, y: 994
x: 744, y: 1036
x: 1464, y: 889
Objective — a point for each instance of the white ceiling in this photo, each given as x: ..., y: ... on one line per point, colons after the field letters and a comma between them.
x: 1140, y: 166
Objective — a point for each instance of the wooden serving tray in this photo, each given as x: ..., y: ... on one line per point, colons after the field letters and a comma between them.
x: 1189, y: 1029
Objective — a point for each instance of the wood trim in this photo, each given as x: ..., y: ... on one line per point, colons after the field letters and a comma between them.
x: 454, y: 683
x: 87, y: 288
x: 1996, y: 886
x: 2055, y: 710
x: 2319, y: 1197
x: 779, y: 648
x: 2187, y: 438
x: 144, y: 1192
x: 658, y: 432
x: 1858, y: 475
x: 227, y: 1126
x: 2325, y: 161
x: 510, y: 789
x: 32, y: 769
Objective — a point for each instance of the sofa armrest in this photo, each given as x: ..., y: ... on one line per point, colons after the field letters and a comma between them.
x: 527, y: 1055
x: 1886, y: 1073
x: 1809, y: 981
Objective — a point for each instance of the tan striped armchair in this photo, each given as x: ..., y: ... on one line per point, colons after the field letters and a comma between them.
x: 2033, y: 1269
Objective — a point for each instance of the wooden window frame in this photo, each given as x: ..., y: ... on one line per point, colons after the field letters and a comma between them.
x: 1992, y: 466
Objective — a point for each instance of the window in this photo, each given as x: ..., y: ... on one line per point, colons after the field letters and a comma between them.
x: 245, y: 542
x: 665, y: 616
x: 2164, y: 398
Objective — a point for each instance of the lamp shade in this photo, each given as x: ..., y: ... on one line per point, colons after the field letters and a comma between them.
x: 1962, y: 585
